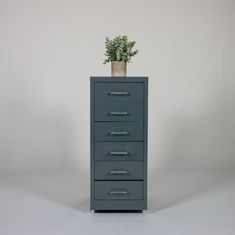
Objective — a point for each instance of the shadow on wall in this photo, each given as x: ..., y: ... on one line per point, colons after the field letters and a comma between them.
x: 192, y: 143
x: 168, y: 188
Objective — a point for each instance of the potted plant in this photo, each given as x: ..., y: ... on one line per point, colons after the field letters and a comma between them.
x: 119, y: 52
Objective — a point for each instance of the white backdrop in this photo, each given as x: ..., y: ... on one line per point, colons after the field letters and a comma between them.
x: 50, y: 48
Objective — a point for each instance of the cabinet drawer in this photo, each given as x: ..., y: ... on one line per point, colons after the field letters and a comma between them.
x: 116, y: 151
x: 118, y: 131
x: 118, y: 91
x: 120, y: 111
x: 119, y: 170
x: 119, y: 190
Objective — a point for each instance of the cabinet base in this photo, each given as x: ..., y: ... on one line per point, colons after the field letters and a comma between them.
x: 118, y: 205
x: 119, y: 211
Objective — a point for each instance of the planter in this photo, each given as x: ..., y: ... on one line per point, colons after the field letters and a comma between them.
x: 118, y: 68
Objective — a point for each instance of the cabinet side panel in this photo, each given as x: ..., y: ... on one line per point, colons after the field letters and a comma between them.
x: 145, y: 141
x: 92, y: 85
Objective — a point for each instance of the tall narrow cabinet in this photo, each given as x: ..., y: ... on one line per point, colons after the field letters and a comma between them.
x: 119, y: 113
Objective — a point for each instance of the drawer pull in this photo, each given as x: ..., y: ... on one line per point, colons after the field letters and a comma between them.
x: 119, y: 113
x: 118, y: 93
x: 119, y: 133
x: 118, y: 192
x: 118, y: 172
x: 116, y: 153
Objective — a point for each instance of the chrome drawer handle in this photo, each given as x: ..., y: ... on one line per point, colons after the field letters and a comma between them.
x: 117, y: 153
x: 118, y: 192
x: 118, y: 113
x: 118, y: 93
x: 118, y: 132
x: 118, y: 172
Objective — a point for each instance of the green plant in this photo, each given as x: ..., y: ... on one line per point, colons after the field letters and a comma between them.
x: 119, y: 49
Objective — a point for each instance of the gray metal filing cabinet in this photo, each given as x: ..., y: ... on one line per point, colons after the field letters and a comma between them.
x: 119, y: 111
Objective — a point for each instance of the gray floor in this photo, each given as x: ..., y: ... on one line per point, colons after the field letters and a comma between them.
x: 180, y: 202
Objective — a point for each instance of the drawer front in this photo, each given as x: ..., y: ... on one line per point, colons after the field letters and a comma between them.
x: 119, y: 170
x: 119, y: 131
x: 119, y: 111
x: 119, y: 190
x: 118, y: 91
x: 119, y: 151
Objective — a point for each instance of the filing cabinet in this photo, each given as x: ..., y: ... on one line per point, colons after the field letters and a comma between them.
x: 118, y: 141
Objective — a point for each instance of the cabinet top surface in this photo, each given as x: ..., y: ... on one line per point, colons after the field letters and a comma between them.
x: 118, y: 79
